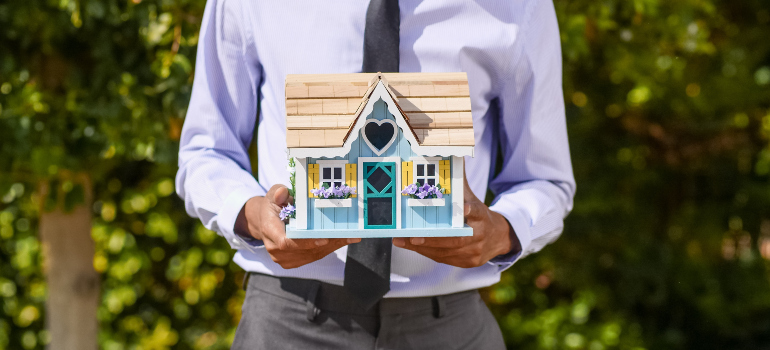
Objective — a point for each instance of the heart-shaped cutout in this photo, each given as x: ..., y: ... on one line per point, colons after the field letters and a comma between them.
x: 379, y: 134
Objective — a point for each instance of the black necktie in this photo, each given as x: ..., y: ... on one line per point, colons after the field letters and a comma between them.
x: 367, y: 270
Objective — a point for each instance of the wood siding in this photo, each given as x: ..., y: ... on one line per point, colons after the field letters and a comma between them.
x: 411, y: 217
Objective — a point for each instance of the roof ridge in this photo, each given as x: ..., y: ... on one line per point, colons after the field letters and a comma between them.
x: 365, y: 100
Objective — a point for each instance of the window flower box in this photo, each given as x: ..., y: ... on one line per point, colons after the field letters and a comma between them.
x: 426, y: 202
x: 333, y: 203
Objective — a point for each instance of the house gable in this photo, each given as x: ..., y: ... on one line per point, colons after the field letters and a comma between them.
x: 431, y: 125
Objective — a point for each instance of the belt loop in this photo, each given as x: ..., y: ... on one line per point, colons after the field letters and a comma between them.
x: 439, y: 306
x: 246, y: 277
x: 312, y: 295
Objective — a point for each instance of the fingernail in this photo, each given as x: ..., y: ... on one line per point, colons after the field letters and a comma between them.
x: 418, y: 240
x: 353, y: 240
x: 320, y: 242
x: 398, y: 242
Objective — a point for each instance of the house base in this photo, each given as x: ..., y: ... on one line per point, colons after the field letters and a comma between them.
x: 383, y: 233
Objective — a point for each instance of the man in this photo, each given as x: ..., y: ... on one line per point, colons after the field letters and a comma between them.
x: 302, y: 294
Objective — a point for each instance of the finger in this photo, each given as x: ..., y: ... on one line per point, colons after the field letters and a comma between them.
x: 316, y: 243
x: 475, y: 211
x: 280, y: 195
x: 273, y: 229
x: 431, y: 252
x: 299, y: 258
x: 460, y: 257
x: 468, y: 195
x: 337, y: 242
x: 308, y: 256
x: 440, y: 242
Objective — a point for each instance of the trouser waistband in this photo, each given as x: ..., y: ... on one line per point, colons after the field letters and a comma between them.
x: 329, y: 297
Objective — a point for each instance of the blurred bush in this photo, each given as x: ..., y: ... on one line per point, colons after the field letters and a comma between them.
x: 669, y: 121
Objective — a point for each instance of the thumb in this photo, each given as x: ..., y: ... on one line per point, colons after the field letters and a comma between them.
x: 474, y: 211
x: 468, y: 195
x: 278, y: 195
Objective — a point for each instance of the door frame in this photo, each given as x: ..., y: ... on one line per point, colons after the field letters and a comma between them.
x: 390, y: 191
x: 360, y: 187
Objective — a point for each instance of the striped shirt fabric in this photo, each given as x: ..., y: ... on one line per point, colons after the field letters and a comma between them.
x: 510, y: 51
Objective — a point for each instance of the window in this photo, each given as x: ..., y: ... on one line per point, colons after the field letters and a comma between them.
x: 332, y: 175
x: 426, y: 172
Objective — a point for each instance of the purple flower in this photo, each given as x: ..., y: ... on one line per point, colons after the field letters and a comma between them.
x: 423, y: 191
x: 337, y: 192
x: 287, y: 212
x: 410, y: 189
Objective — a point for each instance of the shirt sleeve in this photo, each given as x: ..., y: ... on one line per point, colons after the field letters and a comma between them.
x: 535, y: 189
x: 214, y: 176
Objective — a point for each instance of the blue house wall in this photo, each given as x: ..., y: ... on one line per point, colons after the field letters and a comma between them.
x: 411, y: 217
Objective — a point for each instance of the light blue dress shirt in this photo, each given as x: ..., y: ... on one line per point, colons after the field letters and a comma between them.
x: 510, y: 51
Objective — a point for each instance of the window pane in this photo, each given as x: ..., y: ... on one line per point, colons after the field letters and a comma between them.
x: 431, y: 169
x: 337, y: 173
x: 432, y: 182
x: 327, y: 184
x: 369, y: 168
x: 420, y: 181
x: 379, y: 179
x: 420, y: 170
x: 338, y: 184
x: 380, y: 211
x: 327, y: 173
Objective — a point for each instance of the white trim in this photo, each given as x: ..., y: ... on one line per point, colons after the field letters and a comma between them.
x: 333, y: 203
x: 426, y: 202
x: 379, y: 123
x: 360, y: 194
x: 458, y: 188
x: 300, y: 197
x: 331, y: 152
x: 331, y: 161
x: 331, y: 164
x: 360, y: 190
x: 380, y: 93
x: 425, y: 159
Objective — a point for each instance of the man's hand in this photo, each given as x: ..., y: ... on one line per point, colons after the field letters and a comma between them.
x: 259, y: 219
x: 492, y: 236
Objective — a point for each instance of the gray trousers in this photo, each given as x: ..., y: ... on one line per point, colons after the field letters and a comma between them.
x: 291, y: 313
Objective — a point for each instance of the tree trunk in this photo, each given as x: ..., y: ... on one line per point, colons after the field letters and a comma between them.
x: 73, y: 284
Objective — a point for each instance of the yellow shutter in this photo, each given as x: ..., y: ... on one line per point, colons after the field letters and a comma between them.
x: 351, y: 175
x: 407, y: 173
x: 445, y: 176
x: 312, y: 178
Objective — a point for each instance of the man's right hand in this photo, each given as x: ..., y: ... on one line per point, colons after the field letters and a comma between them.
x: 259, y: 219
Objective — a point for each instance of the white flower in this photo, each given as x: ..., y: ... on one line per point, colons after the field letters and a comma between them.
x: 291, y: 169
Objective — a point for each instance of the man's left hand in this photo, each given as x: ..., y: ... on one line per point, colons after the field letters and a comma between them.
x: 492, y: 236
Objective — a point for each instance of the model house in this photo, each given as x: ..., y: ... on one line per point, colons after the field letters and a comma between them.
x: 378, y: 155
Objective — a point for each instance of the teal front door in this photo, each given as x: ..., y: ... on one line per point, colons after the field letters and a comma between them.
x: 379, y: 195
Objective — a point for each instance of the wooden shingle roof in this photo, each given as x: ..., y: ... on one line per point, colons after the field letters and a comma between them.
x: 322, y: 108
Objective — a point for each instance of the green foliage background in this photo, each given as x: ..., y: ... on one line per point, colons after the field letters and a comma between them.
x: 669, y: 120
